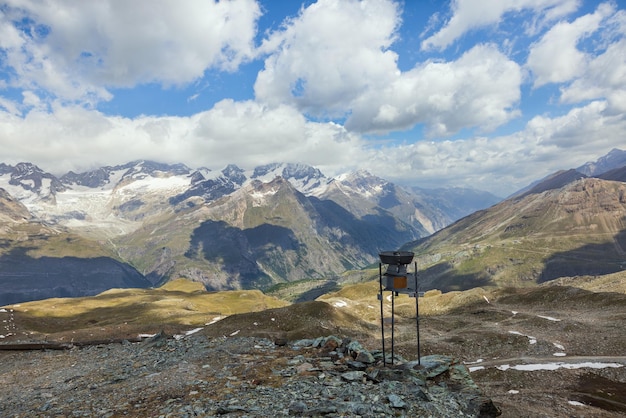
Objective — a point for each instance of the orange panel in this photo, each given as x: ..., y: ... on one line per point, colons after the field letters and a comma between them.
x: 399, y: 282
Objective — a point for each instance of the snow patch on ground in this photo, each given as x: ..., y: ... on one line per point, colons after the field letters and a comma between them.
x: 549, y: 318
x: 215, y: 319
x: 556, y: 366
x: 340, y: 304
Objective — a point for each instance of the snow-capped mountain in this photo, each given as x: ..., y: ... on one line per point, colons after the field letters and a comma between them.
x: 231, y: 228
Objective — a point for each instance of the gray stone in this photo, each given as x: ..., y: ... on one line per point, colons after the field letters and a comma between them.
x: 396, y: 401
x: 353, y: 376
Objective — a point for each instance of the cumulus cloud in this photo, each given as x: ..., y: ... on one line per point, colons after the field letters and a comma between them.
x: 481, y: 88
x: 76, y: 50
x: 328, y: 55
x: 334, y: 57
x: 247, y: 133
x: 468, y: 15
x: 556, y: 57
x: 543, y: 147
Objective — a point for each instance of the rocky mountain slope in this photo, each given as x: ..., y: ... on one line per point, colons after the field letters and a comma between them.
x: 229, y: 229
x: 565, y: 226
x: 616, y: 158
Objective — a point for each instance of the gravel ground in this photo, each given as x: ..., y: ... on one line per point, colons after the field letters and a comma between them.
x: 201, y: 376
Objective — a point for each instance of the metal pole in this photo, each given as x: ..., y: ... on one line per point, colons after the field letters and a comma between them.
x: 382, y: 317
x: 417, y: 317
x: 393, y: 323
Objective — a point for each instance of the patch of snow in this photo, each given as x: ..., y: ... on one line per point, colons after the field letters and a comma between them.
x: 259, y: 198
x: 559, y: 354
x: 232, y: 334
x: 559, y: 346
x: 549, y: 318
x: 2, y: 336
x: 485, y: 297
x: 340, y: 304
x: 193, y: 331
x: 576, y: 403
x: 158, y: 183
x: 514, y: 312
x: 474, y: 362
x: 145, y: 335
x: 513, y: 392
x: 214, y: 320
x: 475, y: 368
x: 3, y: 310
x: 556, y: 366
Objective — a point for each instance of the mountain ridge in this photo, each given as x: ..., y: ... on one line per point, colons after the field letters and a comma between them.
x: 162, y: 219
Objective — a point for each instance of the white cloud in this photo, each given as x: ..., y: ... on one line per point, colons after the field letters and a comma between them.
x: 78, y: 49
x: 605, y: 77
x: 329, y: 55
x: 556, y: 57
x: 504, y: 164
x: 481, y: 89
x: 581, y: 130
x: 244, y: 133
x: 468, y: 15
x: 333, y: 60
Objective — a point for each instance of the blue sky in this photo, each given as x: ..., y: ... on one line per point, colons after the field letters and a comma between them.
x: 489, y: 94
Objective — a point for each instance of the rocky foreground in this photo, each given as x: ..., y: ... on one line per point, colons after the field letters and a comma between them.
x: 195, y: 375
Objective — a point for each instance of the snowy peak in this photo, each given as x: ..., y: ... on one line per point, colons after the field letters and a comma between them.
x: 234, y: 174
x: 26, y: 180
x: 112, y: 176
x: 304, y: 178
x: 363, y: 183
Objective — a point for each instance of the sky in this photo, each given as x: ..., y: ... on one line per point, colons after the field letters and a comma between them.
x: 487, y: 94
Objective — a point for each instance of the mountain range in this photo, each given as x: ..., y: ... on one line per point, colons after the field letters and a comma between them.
x: 143, y: 223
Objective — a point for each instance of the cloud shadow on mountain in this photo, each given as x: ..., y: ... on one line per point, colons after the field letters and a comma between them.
x: 444, y: 277
x: 587, y: 260
x: 25, y: 278
x: 372, y: 232
x: 238, y: 250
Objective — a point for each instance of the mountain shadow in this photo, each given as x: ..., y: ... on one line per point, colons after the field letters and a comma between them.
x: 588, y: 260
x: 445, y: 277
x: 371, y: 234
x: 239, y: 250
x: 24, y: 278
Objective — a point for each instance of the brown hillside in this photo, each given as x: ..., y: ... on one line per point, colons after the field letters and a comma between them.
x: 579, y: 229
